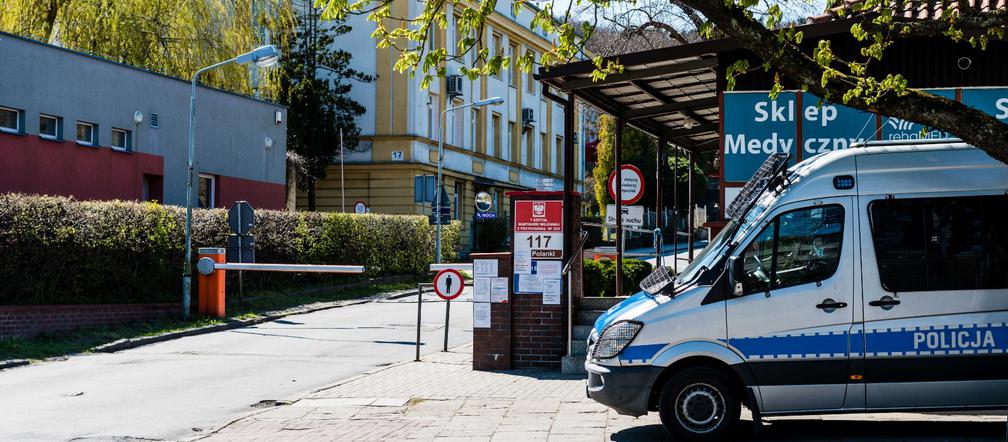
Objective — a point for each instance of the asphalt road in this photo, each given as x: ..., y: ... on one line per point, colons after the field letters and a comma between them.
x: 174, y: 389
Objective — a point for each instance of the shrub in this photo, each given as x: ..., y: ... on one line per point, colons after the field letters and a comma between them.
x: 599, y: 277
x: 57, y: 250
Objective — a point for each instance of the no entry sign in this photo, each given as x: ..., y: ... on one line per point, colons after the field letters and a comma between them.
x: 448, y: 284
x: 632, y: 184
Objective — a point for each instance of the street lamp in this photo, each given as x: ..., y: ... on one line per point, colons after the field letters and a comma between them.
x: 263, y: 56
x: 440, y: 161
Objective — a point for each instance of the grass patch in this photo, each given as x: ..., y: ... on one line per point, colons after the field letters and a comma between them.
x: 254, y: 304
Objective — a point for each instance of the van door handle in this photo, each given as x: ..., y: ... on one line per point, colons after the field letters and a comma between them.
x: 886, y: 302
x: 830, y: 305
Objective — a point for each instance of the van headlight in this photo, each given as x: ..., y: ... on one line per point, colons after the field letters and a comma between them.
x: 615, y: 338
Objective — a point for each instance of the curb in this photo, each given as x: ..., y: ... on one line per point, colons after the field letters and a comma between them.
x: 126, y: 344
x: 11, y: 363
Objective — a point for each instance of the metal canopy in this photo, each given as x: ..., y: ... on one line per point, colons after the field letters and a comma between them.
x: 670, y: 93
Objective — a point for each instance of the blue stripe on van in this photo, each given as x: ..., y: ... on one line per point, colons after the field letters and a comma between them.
x: 640, y: 353
x: 829, y: 344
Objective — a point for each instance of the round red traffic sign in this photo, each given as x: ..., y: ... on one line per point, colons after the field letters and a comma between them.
x: 448, y: 284
x: 632, y: 181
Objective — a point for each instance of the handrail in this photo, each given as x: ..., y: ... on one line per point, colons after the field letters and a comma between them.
x: 632, y: 229
x: 576, y: 253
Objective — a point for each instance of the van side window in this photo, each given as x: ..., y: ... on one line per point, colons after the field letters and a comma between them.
x: 798, y: 247
x: 950, y: 243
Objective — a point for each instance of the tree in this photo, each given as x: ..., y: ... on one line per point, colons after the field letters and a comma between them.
x: 315, y: 81
x: 166, y: 36
x: 639, y: 150
x: 759, y: 27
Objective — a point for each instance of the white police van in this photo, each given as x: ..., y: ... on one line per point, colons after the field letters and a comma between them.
x: 867, y: 279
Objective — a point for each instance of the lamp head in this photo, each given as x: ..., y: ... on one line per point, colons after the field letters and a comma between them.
x: 263, y: 56
x: 494, y: 100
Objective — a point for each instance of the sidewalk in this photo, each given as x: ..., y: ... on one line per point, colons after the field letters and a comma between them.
x: 442, y: 398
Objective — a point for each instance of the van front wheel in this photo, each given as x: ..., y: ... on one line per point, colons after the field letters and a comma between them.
x: 699, y: 404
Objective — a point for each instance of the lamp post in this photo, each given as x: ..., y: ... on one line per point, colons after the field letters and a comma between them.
x: 440, y: 161
x: 263, y: 56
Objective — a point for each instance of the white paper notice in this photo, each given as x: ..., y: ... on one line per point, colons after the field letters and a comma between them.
x: 530, y: 284
x: 481, y: 315
x: 522, y: 262
x: 548, y: 269
x: 481, y: 289
x: 499, y: 290
x: 551, y: 289
x: 485, y: 268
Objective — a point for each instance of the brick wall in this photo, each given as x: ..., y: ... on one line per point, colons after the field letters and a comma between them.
x: 492, y: 346
x: 30, y: 320
x: 539, y: 332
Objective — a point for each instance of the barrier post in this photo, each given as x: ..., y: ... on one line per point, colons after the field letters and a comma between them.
x: 211, y: 287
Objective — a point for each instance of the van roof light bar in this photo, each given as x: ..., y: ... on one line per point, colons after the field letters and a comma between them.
x: 760, y: 181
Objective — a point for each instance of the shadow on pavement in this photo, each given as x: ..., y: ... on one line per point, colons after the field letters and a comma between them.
x: 846, y: 430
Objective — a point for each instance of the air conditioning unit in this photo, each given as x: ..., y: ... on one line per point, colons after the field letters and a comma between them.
x: 528, y: 116
x: 454, y: 85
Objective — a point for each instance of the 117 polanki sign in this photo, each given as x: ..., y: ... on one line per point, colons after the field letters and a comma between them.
x: 756, y: 126
x: 538, y: 228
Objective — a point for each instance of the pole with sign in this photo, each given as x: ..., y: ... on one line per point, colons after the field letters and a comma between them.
x: 448, y: 285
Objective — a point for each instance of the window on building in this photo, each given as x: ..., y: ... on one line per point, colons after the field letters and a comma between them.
x: 529, y: 79
x: 513, y: 67
x: 459, y: 50
x: 458, y: 128
x: 513, y: 8
x: 544, y: 153
x: 498, y: 49
x: 207, y: 197
x: 529, y: 148
x: 50, y: 127
x: 514, y: 147
x: 122, y: 139
x: 953, y: 243
x: 10, y: 120
x: 558, y: 155
x: 479, y: 134
x: 457, y: 209
x: 798, y: 247
x: 432, y: 115
x: 153, y: 188
x: 87, y: 133
x: 498, y: 148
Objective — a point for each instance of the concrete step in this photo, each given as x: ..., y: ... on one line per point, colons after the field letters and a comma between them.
x: 588, y: 317
x: 573, y: 365
x: 579, y: 347
x: 600, y: 302
x: 581, y: 332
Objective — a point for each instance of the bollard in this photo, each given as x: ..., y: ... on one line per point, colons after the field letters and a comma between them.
x: 211, y: 287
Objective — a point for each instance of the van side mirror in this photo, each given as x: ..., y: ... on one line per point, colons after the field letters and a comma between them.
x: 734, y: 271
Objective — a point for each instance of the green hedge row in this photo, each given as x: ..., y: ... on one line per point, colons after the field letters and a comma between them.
x: 56, y: 250
x: 600, y: 276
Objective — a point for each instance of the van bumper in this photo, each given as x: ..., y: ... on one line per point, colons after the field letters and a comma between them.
x: 624, y: 389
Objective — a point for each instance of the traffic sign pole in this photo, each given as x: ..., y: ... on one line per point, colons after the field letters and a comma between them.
x: 447, y: 309
x: 448, y: 285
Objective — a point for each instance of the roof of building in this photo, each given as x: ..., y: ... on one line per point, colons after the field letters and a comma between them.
x: 129, y: 66
x: 914, y: 10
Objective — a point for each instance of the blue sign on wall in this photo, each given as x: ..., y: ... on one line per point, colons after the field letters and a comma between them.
x: 755, y: 127
x: 899, y: 129
x: 829, y: 126
x: 994, y: 101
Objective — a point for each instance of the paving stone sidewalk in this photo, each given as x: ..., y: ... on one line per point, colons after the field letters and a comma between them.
x: 442, y: 398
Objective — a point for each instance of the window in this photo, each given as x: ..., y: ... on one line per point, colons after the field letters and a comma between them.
x: 544, y: 154
x: 10, y: 120
x: 87, y: 134
x: 50, y: 127
x: 122, y: 139
x: 514, y: 142
x: 498, y: 42
x: 496, y: 127
x: 529, y: 159
x: 798, y: 247
x: 924, y: 244
x: 558, y: 155
x: 458, y: 127
x: 479, y: 138
x: 514, y: 66
x: 207, y: 191
x: 459, y: 51
x: 459, y: 186
x: 432, y: 115
x: 529, y: 80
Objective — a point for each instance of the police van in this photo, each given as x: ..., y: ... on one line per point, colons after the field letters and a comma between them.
x: 867, y: 279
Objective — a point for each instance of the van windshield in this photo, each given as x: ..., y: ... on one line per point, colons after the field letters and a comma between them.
x: 731, y: 232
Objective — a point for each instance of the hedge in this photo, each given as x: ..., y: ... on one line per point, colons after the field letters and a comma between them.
x: 599, y: 277
x: 56, y: 250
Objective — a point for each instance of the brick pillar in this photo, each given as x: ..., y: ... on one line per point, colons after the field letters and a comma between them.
x: 492, y: 346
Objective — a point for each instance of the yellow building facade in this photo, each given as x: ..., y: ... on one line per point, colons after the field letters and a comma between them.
x: 514, y: 145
